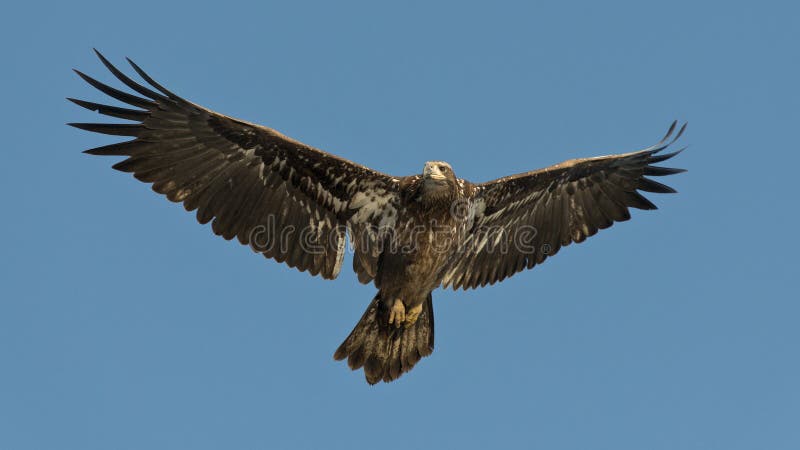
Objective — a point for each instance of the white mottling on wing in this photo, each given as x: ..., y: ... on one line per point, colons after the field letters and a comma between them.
x: 339, y: 257
x: 481, y: 245
x: 499, y: 236
x: 369, y: 206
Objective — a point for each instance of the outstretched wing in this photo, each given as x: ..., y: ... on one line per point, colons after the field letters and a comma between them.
x: 285, y: 199
x: 523, y: 219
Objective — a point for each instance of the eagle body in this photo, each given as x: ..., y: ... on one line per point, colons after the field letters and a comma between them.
x: 424, y: 240
x: 410, y: 235
x: 412, y: 261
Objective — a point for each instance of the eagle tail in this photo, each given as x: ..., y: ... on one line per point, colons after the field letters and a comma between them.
x: 383, y: 350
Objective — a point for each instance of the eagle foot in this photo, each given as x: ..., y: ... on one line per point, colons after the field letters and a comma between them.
x: 412, y: 315
x: 397, y: 315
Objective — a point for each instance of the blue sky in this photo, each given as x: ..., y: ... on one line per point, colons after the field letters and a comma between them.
x: 124, y: 324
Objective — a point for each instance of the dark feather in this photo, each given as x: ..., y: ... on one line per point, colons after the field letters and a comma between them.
x: 649, y: 185
x: 113, y: 111
x: 661, y: 171
x: 116, y: 129
x: 149, y: 80
x: 664, y: 157
x: 118, y: 149
x: 636, y: 200
x: 116, y: 93
x: 128, y: 82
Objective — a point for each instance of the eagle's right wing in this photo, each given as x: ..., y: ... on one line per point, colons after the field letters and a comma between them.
x: 523, y: 219
x: 285, y: 199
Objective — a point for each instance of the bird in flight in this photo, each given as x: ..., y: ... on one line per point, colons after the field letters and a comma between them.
x: 410, y: 234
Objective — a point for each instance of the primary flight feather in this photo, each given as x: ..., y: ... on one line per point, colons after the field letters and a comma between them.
x: 295, y: 204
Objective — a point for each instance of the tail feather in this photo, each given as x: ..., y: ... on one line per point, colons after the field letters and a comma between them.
x: 384, y: 351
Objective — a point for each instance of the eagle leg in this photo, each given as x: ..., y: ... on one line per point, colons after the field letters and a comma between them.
x: 412, y: 315
x: 397, y: 315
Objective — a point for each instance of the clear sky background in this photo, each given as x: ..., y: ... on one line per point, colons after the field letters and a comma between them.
x: 125, y: 325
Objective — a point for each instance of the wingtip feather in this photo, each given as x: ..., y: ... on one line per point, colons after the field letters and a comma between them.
x: 659, y: 158
x: 116, y: 93
x: 150, y: 80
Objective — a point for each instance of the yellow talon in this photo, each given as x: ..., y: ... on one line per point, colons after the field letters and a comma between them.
x: 398, y: 313
x: 413, y: 315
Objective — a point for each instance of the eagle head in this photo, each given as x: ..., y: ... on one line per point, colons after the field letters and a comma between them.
x: 438, y: 172
x: 439, y: 180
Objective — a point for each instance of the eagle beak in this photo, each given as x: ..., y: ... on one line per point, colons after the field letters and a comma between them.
x: 432, y: 171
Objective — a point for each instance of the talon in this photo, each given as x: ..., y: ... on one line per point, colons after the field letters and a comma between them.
x: 413, y: 315
x: 398, y: 313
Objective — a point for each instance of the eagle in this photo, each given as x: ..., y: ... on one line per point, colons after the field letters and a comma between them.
x: 409, y: 234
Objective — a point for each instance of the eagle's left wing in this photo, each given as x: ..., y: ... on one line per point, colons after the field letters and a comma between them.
x: 287, y: 200
x: 522, y: 219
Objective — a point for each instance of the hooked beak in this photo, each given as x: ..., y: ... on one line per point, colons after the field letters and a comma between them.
x: 431, y: 171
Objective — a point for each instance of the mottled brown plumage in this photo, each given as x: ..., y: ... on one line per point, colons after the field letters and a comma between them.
x: 295, y: 204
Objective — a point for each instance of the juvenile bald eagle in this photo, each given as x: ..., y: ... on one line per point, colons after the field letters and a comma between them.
x: 410, y: 235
